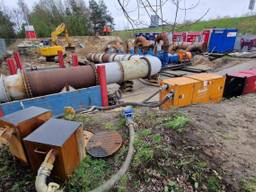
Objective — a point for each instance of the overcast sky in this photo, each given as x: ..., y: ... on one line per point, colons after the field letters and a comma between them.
x: 218, y: 8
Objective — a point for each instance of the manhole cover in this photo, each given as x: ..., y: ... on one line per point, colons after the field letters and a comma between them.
x: 104, y: 144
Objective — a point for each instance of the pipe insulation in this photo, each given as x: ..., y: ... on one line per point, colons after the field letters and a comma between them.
x: 27, y: 84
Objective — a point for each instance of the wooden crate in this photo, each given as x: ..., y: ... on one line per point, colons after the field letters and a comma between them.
x: 20, y: 124
x: 64, y: 136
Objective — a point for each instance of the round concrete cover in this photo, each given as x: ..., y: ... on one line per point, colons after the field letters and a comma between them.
x: 104, y: 144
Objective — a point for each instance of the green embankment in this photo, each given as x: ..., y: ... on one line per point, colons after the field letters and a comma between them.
x: 243, y: 24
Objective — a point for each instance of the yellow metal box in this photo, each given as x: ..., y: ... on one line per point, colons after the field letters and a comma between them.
x: 212, y: 85
x: 183, y: 88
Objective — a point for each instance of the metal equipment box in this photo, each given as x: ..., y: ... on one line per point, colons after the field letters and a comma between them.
x: 66, y: 137
x: 212, y: 86
x: 183, y: 89
x: 240, y: 83
x: 20, y: 124
x: 222, y: 40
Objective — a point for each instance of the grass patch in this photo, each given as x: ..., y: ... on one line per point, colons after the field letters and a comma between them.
x: 176, y: 123
x: 173, y: 187
x: 214, y: 184
x: 145, y: 144
x: 13, y: 176
x: 249, y: 185
x: 90, y: 174
x: 243, y: 24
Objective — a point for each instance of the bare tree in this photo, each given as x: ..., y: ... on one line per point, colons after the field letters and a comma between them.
x: 151, y: 8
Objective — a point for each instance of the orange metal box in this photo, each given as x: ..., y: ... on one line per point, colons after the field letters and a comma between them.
x: 183, y: 89
x: 215, y: 84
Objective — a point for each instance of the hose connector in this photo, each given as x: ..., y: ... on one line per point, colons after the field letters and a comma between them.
x: 164, y: 87
x: 128, y: 113
x: 170, y: 95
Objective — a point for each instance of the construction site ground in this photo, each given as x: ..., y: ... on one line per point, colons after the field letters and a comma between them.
x: 204, y: 147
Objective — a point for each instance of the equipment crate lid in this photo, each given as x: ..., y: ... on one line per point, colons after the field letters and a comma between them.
x: 252, y: 72
x: 18, y: 117
x: 205, y: 76
x: 54, y: 132
x: 180, y: 81
x: 241, y: 74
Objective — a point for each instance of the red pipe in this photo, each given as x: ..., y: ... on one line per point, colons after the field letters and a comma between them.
x: 75, y: 59
x: 61, y: 59
x: 103, y: 84
x: 11, y: 66
x: 16, y: 56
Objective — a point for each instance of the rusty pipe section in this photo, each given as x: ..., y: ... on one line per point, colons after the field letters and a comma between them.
x: 27, y: 84
x: 52, y: 81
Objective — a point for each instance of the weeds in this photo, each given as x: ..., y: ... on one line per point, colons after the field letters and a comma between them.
x: 145, y: 143
x: 90, y: 174
x: 176, y: 123
x: 214, y: 184
x: 13, y: 176
x: 249, y: 185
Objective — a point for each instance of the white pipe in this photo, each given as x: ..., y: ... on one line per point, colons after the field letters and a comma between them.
x: 135, y: 68
x: 43, y: 172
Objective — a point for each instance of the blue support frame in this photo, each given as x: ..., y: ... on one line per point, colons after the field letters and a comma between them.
x: 78, y: 99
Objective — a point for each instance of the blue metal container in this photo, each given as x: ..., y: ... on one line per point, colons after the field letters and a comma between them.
x: 78, y: 99
x: 222, y: 40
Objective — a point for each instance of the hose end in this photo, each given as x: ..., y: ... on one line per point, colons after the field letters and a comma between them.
x: 128, y: 113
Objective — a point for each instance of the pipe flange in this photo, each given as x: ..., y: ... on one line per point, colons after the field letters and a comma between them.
x: 129, y: 57
x: 113, y: 59
x: 149, y: 66
x: 26, y: 84
x: 121, y: 69
x: 7, y: 97
x: 95, y: 72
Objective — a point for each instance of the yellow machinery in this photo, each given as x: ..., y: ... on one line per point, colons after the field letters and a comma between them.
x: 193, y: 89
x: 52, y: 51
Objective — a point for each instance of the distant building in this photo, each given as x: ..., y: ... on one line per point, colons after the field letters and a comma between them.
x: 252, y: 4
x: 154, y: 21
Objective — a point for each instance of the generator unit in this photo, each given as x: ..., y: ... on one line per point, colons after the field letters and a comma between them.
x: 199, y: 88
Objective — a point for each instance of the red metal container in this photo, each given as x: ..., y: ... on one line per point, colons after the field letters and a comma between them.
x: 250, y: 82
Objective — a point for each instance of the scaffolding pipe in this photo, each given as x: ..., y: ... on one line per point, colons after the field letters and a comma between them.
x: 28, y: 84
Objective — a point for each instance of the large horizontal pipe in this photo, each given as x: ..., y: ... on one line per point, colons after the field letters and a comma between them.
x: 105, y: 57
x: 38, y: 83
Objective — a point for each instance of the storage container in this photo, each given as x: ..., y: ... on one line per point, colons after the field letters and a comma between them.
x: 66, y: 137
x: 20, y: 124
x: 211, y: 82
x: 183, y: 88
x: 222, y: 40
x: 240, y: 83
